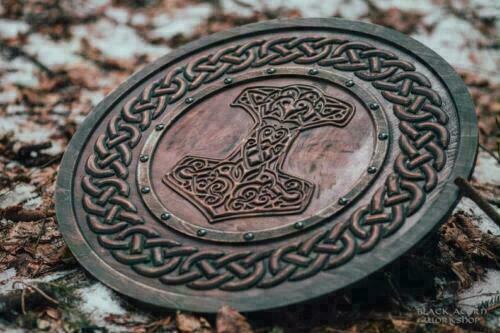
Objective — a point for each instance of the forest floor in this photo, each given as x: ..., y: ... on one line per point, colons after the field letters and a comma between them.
x: 59, y: 58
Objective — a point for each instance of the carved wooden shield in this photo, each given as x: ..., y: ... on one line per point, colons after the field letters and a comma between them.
x: 266, y: 165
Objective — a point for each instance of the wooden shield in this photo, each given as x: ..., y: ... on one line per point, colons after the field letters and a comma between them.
x: 266, y: 165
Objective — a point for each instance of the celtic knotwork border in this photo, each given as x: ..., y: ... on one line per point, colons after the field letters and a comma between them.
x: 120, y: 229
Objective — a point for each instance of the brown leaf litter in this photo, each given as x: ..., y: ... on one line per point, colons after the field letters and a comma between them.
x: 231, y: 321
x: 188, y: 323
x: 459, y: 252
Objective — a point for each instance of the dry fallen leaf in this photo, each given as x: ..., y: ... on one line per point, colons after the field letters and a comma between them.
x: 461, y: 272
x: 231, y: 321
x: 53, y: 313
x: 187, y: 323
x: 401, y: 325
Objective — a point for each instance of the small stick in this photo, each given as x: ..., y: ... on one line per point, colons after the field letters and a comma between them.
x: 492, y: 154
x: 14, y: 52
x: 19, y: 300
x: 37, y: 289
x: 470, y: 192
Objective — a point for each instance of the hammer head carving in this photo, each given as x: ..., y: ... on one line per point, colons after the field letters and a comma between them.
x: 300, y: 105
x: 249, y: 181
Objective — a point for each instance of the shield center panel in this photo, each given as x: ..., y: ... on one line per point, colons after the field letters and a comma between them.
x: 262, y: 156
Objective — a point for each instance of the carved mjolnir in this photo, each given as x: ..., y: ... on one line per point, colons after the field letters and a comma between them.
x: 250, y: 180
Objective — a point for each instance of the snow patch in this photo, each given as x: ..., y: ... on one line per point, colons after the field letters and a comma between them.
x: 33, y: 203
x: 481, y: 291
x: 98, y: 302
x: 117, y: 40
x: 8, y: 96
x: 306, y: 8
x: 484, y: 223
x: 423, y: 6
x: 11, y: 28
x: 458, y: 41
x: 353, y: 9
x: 94, y: 97
x: 139, y: 19
x: 182, y: 21
x: 9, y: 283
x: 7, y: 275
x: 18, y: 71
x: 28, y: 132
x: 120, y: 15
x: 20, y: 193
x: 51, y: 53
x: 487, y: 169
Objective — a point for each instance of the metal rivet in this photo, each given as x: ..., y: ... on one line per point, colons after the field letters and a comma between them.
x: 298, y: 225
x: 159, y: 127
x: 383, y: 136
x: 201, y: 232
x: 372, y: 169
x: 145, y: 189
x: 189, y: 100
x: 228, y: 80
x: 165, y: 216
x: 349, y: 83
x: 313, y: 71
x: 343, y: 201
x: 248, y: 236
x: 271, y: 70
x: 374, y: 106
x: 144, y: 158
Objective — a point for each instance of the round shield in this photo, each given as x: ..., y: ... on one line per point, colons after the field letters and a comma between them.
x: 266, y: 165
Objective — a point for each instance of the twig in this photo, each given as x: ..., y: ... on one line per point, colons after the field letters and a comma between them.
x: 20, y: 300
x: 492, y: 308
x: 19, y: 214
x: 470, y: 192
x: 497, y: 158
x: 23, y: 303
x: 243, y: 4
x: 38, y: 290
x: 32, y: 155
x: 40, y: 234
x: 14, y: 52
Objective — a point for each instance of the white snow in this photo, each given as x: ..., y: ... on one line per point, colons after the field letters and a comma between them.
x: 52, y: 53
x: 183, y: 20
x: 484, y: 223
x: 17, y: 195
x: 352, y: 9
x: 8, y: 96
x: 8, y: 281
x: 18, y: 71
x: 7, y: 275
x: 487, y: 169
x: 98, y: 302
x: 138, y: 19
x: 10, y: 28
x: 480, y: 291
x: 456, y: 40
x: 28, y: 134
x: 423, y: 6
x: 120, y: 15
x: 306, y: 8
x: 126, y: 43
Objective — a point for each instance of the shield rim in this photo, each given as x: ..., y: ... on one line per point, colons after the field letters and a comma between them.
x: 447, y: 196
